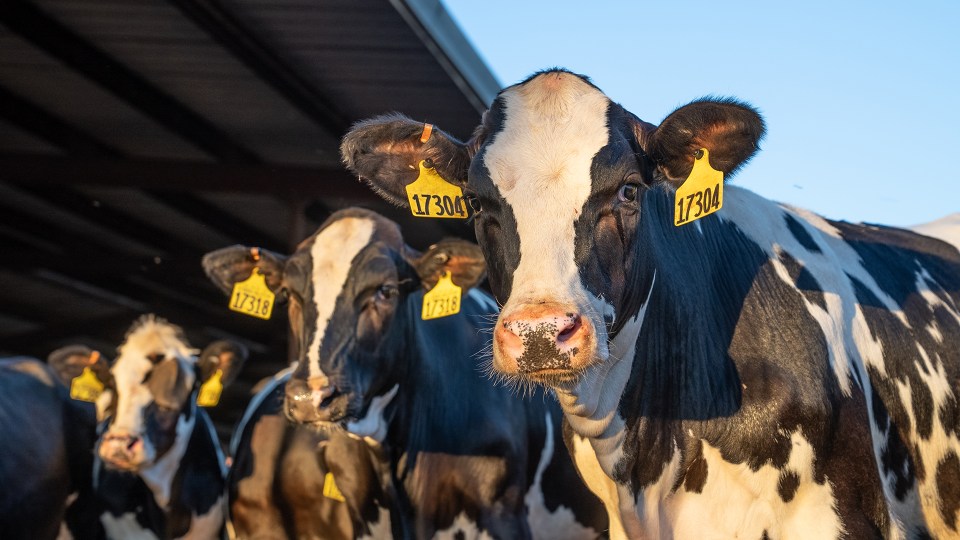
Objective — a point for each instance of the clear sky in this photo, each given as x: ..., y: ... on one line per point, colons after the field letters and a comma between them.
x: 860, y: 98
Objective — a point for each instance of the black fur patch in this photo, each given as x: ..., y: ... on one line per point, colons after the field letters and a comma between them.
x: 787, y: 488
x: 801, y: 234
x: 696, y: 476
x: 948, y: 486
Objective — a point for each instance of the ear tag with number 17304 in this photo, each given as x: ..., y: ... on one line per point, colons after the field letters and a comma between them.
x: 430, y: 196
x: 442, y: 300
x: 252, y: 296
x: 701, y: 194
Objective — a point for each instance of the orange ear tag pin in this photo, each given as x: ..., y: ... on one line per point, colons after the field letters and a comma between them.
x: 252, y: 296
x: 86, y: 386
x: 701, y: 194
x: 442, y: 300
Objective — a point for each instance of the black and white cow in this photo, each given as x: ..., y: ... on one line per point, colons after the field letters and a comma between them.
x: 276, y: 485
x: 159, y: 470
x: 759, y: 373
x: 472, y: 460
x: 45, y: 458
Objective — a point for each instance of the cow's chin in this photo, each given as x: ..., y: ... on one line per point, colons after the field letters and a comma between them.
x: 554, y: 373
x: 131, y: 464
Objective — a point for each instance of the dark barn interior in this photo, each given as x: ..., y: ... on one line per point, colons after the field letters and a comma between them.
x: 136, y: 135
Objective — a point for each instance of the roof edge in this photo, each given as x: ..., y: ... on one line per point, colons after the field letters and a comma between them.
x: 443, y: 37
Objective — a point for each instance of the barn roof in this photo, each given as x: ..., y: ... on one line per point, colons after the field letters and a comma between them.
x: 137, y: 135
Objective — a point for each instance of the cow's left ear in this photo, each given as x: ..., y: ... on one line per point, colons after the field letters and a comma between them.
x: 462, y: 259
x: 224, y: 355
x: 386, y: 152
x: 730, y: 130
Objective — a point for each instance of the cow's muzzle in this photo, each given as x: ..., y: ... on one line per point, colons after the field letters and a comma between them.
x: 544, y: 342
x: 123, y: 450
x: 314, y: 400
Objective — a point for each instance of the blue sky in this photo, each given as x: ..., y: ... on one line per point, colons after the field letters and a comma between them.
x: 860, y: 98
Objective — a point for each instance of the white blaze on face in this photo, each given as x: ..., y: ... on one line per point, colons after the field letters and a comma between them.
x: 151, y: 337
x: 540, y: 163
x: 332, y: 252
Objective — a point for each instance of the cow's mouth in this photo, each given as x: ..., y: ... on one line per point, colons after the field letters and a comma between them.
x: 552, y: 376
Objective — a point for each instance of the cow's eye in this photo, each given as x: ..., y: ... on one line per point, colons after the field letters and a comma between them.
x: 628, y: 192
x: 474, y: 203
x: 386, y: 292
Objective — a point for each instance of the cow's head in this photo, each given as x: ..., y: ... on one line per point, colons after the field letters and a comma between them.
x: 558, y: 176
x: 153, y: 383
x: 346, y: 285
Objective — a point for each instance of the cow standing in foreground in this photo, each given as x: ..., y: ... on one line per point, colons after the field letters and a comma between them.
x: 471, y: 459
x: 761, y: 373
x: 278, y: 486
x: 45, y: 458
x: 159, y: 471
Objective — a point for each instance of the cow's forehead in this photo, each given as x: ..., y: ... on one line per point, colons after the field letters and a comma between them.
x: 151, y: 336
x: 553, y: 124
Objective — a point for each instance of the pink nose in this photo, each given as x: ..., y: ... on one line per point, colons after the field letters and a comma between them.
x: 121, y: 449
x: 542, y: 337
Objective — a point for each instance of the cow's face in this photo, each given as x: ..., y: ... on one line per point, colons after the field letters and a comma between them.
x: 346, y: 286
x: 153, y: 383
x: 557, y: 176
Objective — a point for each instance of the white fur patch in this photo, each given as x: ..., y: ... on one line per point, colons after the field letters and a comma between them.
x: 737, y: 502
x: 332, y: 252
x: 382, y: 528
x: 207, y: 526
x: 561, y: 523
x: 462, y: 524
x: 125, y: 526
x: 373, y: 425
x: 540, y: 163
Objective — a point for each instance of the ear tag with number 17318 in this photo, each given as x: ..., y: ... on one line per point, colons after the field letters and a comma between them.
x: 252, y: 296
x: 701, y: 194
x: 442, y: 300
x: 430, y: 196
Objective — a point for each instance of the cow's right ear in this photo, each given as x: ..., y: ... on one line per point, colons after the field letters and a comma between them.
x: 70, y: 361
x: 386, y: 152
x: 229, y: 265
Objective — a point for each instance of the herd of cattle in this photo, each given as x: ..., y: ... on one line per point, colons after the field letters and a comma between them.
x: 755, y: 372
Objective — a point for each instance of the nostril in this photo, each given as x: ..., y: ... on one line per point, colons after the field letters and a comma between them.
x: 573, y: 325
x: 334, y: 393
x: 131, y: 442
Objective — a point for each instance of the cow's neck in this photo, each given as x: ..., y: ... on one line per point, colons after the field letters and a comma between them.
x: 159, y: 476
x: 669, y: 363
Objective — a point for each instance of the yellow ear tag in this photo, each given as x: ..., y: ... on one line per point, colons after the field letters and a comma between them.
x: 430, y: 196
x: 252, y: 297
x: 442, y: 300
x: 209, y: 394
x: 86, y: 386
x: 330, y: 489
x: 701, y: 194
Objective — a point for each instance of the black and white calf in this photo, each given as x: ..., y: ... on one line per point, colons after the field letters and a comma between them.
x: 159, y: 470
x: 278, y: 485
x: 759, y: 373
x: 472, y: 460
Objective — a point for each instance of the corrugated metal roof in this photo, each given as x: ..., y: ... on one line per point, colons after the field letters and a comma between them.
x: 134, y: 136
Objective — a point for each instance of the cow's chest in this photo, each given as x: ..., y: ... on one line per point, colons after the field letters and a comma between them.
x: 711, y: 498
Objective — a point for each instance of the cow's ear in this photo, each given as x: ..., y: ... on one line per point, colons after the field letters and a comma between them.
x: 730, y: 130
x: 226, y: 356
x: 462, y: 259
x: 386, y: 152
x: 229, y: 265
x: 69, y: 362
